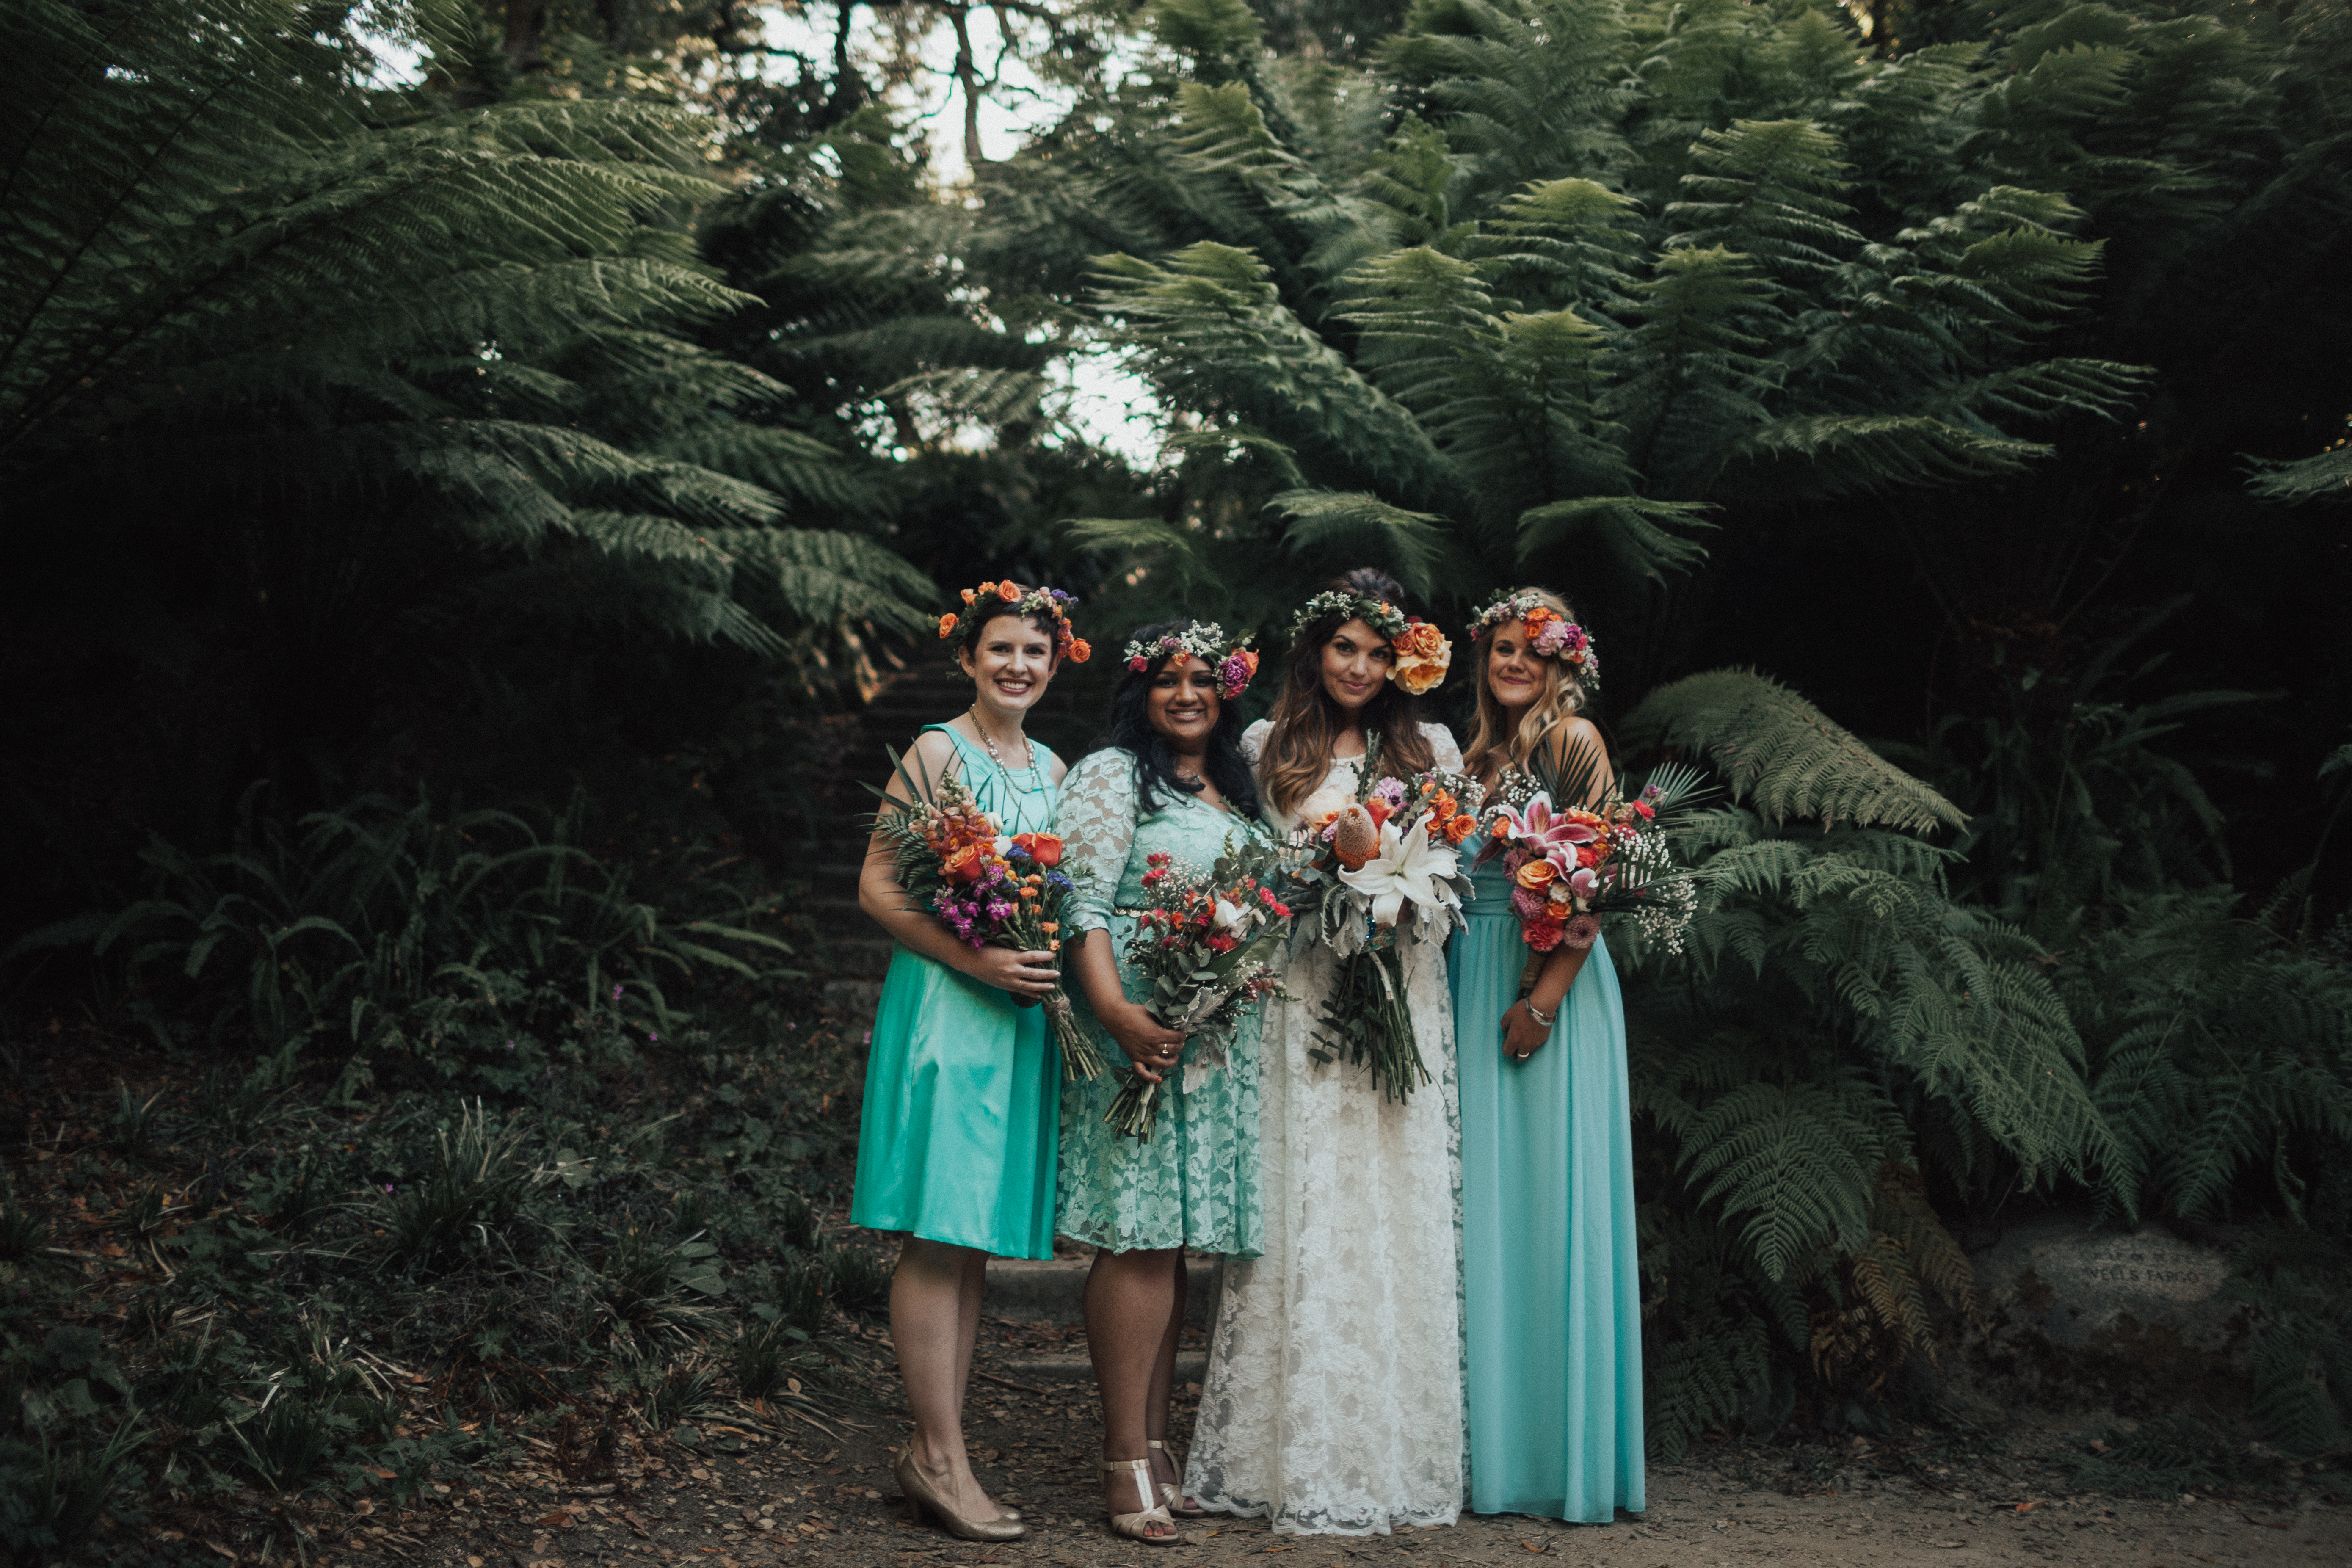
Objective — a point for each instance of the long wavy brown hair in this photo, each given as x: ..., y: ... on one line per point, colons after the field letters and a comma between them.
x: 1495, y: 742
x: 1307, y: 723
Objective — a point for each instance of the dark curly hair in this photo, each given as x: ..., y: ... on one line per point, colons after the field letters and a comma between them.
x: 1155, y: 761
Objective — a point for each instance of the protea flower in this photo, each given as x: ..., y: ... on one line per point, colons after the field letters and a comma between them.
x: 1357, y: 837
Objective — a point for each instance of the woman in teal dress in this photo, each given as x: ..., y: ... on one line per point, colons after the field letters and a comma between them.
x: 1172, y: 781
x: 956, y: 1142
x: 1551, y: 1294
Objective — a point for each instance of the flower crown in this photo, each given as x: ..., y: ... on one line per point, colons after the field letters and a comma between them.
x: 1234, y: 661
x: 1377, y: 613
x: 1421, y: 651
x: 1550, y: 635
x: 1039, y: 603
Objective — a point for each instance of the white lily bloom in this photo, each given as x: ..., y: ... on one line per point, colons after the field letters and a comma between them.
x: 1409, y: 866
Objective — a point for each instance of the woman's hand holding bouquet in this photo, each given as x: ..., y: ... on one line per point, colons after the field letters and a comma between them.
x: 1369, y: 860
x: 1204, y: 940
x: 991, y: 889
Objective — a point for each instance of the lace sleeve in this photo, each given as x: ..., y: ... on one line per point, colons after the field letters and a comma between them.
x: 1442, y: 748
x: 1096, y: 818
x: 1253, y: 741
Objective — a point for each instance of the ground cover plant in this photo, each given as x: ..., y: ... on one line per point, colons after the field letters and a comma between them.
x: 229, y: 1288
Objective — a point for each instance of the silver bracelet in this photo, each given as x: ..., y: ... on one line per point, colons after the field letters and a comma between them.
x: 1541, y: 1021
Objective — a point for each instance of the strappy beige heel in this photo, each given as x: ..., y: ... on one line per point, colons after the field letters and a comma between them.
x: 1134, y: 1526
x: 1171, y: 1493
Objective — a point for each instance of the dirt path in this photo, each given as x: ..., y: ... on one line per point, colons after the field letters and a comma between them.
x: 807, y: 1498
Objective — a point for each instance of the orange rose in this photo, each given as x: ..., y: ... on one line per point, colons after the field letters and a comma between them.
x: 969, y: 595
x: 1419, y: 675
x: 1537, y: 875
x: 1008, y: 590
x: 962, y: 865
x: 1044, y: 848
x: 1461, y: 827
x: 1380, y: 809
x: 1079, y: 651
x: 947, y: 626
x: 1421, y: 639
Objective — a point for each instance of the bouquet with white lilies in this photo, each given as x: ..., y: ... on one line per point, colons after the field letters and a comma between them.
x: 1372, y: 861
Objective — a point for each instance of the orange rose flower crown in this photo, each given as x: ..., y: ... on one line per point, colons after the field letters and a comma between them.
x: 1040, y: 603
x: 1422, y: 653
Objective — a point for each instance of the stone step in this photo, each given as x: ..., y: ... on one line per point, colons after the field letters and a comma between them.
x: 1191, y: 1366
x: 1053, y: 1291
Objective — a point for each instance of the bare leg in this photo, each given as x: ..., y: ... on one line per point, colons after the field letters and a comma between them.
x: 1127, y: 1327
x: 934, y: 1320
x: 1163, y: 1378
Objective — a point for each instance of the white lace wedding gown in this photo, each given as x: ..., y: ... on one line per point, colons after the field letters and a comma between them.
x: 1333, y: 1403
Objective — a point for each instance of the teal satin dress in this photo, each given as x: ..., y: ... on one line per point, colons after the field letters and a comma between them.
x: 958, y: 1138
x: 1552, y: 1283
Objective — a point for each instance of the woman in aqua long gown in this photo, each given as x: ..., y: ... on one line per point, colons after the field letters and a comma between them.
x: 1551, y: 1292
x: 1173, y: 780
x: 957, y: 1140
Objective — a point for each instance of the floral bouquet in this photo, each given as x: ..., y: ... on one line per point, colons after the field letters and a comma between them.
x: 990, y: 888
x: 1205, y: 941
x: 1569, y: 865
x: 1367, y: 859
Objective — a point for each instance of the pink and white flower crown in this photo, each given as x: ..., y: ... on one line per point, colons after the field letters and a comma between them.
x: 1550, y: 635
x: 1234, y: 660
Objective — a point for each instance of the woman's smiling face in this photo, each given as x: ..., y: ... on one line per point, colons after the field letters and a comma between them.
x: 1356, y: 662
x: 1012, y: 665
x: 1514, y: 671
x: 1183, y: 703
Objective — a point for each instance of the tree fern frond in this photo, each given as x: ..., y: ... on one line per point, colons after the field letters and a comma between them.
x: 1782, y: 752
x: 1633, y: 528
x: 1411, y: 543
x: 2325, y: 476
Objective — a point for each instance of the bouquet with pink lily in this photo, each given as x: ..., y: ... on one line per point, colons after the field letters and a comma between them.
x: 1367, y: 861
x: 1571, y: 864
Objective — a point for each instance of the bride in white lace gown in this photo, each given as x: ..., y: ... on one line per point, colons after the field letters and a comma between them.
x: 1334, y: 1398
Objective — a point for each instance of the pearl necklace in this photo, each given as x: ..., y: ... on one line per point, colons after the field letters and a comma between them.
x: 1029, y: 748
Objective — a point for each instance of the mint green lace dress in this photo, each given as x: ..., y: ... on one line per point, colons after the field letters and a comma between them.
x: 955, y: 1143
x: 1196, y: 1182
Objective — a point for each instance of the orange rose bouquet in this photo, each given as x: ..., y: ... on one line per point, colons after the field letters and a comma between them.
x: 990, y: 888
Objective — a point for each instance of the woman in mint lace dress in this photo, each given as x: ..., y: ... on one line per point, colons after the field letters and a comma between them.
x: 1173, y: 781
x: 955, y: 1146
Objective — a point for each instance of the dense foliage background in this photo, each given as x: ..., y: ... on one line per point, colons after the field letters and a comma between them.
x: 452, y: 509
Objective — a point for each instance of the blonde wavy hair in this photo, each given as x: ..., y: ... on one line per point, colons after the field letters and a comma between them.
x: 1496, y: 740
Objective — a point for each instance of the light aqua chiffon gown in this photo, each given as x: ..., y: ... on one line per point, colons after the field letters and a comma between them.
x: 957, y: 1140
x: 1551, y: 1289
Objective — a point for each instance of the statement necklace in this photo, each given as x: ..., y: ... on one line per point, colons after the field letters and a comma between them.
x: 1028, y: 746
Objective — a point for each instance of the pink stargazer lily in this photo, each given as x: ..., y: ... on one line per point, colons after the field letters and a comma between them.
x: 1537, y: 827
